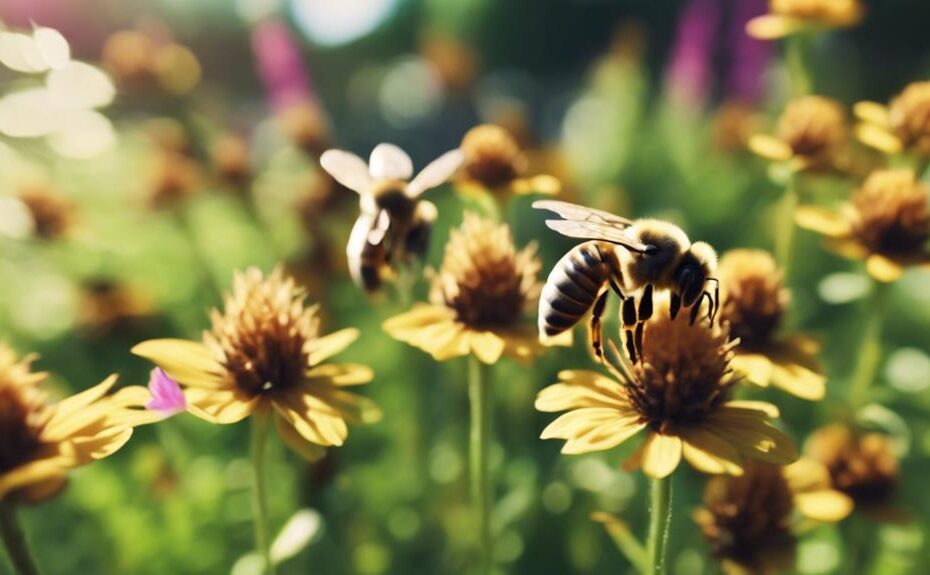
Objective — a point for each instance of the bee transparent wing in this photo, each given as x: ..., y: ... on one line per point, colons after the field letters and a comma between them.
x: 388, y: 162
x: 576, y: 213
x: 597, y: 231
x: 436, y: 173
x: 347, y: 169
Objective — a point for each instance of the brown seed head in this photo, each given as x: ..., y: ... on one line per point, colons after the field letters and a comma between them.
x: 747, y: 519
x: 52, y: 215
x: 684, y: 375
x: 890, y: 213
x: 829, y: 12
x: 262, y: 335
x: 22, y: 410
x: 754, y: 299
x: 172, y: 178
x: 483, y: 276
x: 814, y: 127
x: 492, y: 157
x: 909, y: 114
x: 305, y: 126
x: 862, y: 466
x: 231, y: 161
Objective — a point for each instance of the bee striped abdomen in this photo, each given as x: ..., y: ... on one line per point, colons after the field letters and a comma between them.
x: 574, y: 284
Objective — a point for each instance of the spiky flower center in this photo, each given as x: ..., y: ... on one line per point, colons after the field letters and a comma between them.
x: 891, y: 214
x: 261, y: 337
x: 813, y: 126
x: 22, y: 411
x: 492, y: 156
x: 684, y: 374
x: 744, y: 518
x: 837, y: 12
x: 754, y: 299
x: 909, y: 114
x: 864, y: 467
x: 484, y: 278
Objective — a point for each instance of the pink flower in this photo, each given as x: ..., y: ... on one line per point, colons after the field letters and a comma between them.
x: 167, y: 396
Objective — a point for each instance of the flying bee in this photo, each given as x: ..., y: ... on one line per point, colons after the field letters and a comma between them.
x: 394, y: 224
x: 656, y: 255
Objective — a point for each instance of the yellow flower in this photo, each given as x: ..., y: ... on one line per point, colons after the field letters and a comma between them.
x: 749, y: 521
x: 861, y: 465
x: 886, y: 223
x: 811, y: 135
x: 678, y: 394
x: 902, y: 125
x: 494, y: 163
x: 753, y: 303
x: 40, y: 441
x: 787, y: 17
x: 264, y: 353
x: 479, y: 299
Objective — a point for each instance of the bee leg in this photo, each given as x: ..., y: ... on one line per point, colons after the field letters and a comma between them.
x: 628, y: 312
x: 630, y: 345
x: 638, y: 341
x: 696, y: 310
x: 675, y: 304
x: 595, y: 328
x: 716, y: 300
x: 645, y: 304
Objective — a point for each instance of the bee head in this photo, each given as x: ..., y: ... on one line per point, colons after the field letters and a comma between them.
x: 664, y: 243
x: 696, y: 267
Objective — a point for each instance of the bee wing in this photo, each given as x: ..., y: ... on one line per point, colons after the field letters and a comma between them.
x: 389, y: 162
x: 576, y: 213
x: 347, y: 169
x: 436, y: 173
x: 597, y: 231
x: 380, y: 228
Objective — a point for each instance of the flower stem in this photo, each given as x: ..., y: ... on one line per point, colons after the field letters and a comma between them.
x: 871, y: 347
x: 784, y: 225
x: 660, y: 514
x: 479, y: 442
x: 259, y: 491
x: 795, y: 57
x: 14, y: 541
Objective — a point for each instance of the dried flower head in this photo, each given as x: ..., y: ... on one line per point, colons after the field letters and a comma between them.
x: 108, y: 306
x: 887, y: 223
x: 40, y: 441
x: 902, y: 125
x: 53, y: 217
x: 753, y: 303
x: 305, y: 126
x: 479, y: 298
x: 230, y: 155
x: 731, y: 127
x: 172, y: 178
x: 788, y: 17
x: 811, y: 134
x: 495, y: 163
x: 679, y: 393
x: 749, y: 520
x: 263, y: 353
x: 861, y: 465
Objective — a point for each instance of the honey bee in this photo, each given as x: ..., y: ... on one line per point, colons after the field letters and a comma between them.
x: 656, y: 255
x: 394, y: 224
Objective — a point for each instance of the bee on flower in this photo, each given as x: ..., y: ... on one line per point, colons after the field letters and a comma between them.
x: 750, y: 521
x: 811, y: 135
x: 753, y: 304
x: 899, y: 127
x: 677, y: 395
x: 886, y: 223
x: 788, y: 17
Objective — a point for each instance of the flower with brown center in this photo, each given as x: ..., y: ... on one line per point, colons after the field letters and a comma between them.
x: 861, y: 465
x: 230, y: 155
x: 748, y: 520
x: 306, y: 127
x: 478, y: 300
x: 53, y: 217
x: 265, y: 354
x: 109, y: 307
x: 886, y: 223
x: 753, y: 304
x: 811, y: 135
x: 494, y: 163
x: 41, y: 441
x: 902, y: 125
x: 172, y: 178
x: 787, y: 17
x: 679, y: 393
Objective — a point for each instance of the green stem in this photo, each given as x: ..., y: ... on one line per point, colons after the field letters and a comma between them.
x: 259, y: 491
x: 660, y: 514
x: 479, y: 445
x: 182, y: 220
x: 795, y: 57
x: 870, y: 349
x: 784, y: 225
x: 17, y: 549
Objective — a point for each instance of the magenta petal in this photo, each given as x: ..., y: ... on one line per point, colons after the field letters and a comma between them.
x: 167, y: 396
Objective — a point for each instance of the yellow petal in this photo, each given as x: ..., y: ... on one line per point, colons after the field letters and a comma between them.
x: 341, y: 374
x: 708, y: 453
x: 187, y: 362
x: 772, y: 26
x: 323, y: 348
x: 873, y: 113
x: 883, y: 269
x: 879, y: 138
x: 309, y: 451
x: 661, y: 455
x: 827, y: 505
x: 313, y: 419
x: 70, y: 405
x: 578, y: 422
x: 563, y: 396
x: 769, y: 409
x: 822, y: 221
x: 753, y: 366
x: 848, y: 248
x: 34, y: 472
x: 754, y: 438
x: 770, y: 148
x: 806, y: 474
x: 799, y: 381
x: 487, y: 346
x: 220, y: 406
x: 419, y: 316
x: 604, y: 436
x: 542, y: 184
x: 103, y: 444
